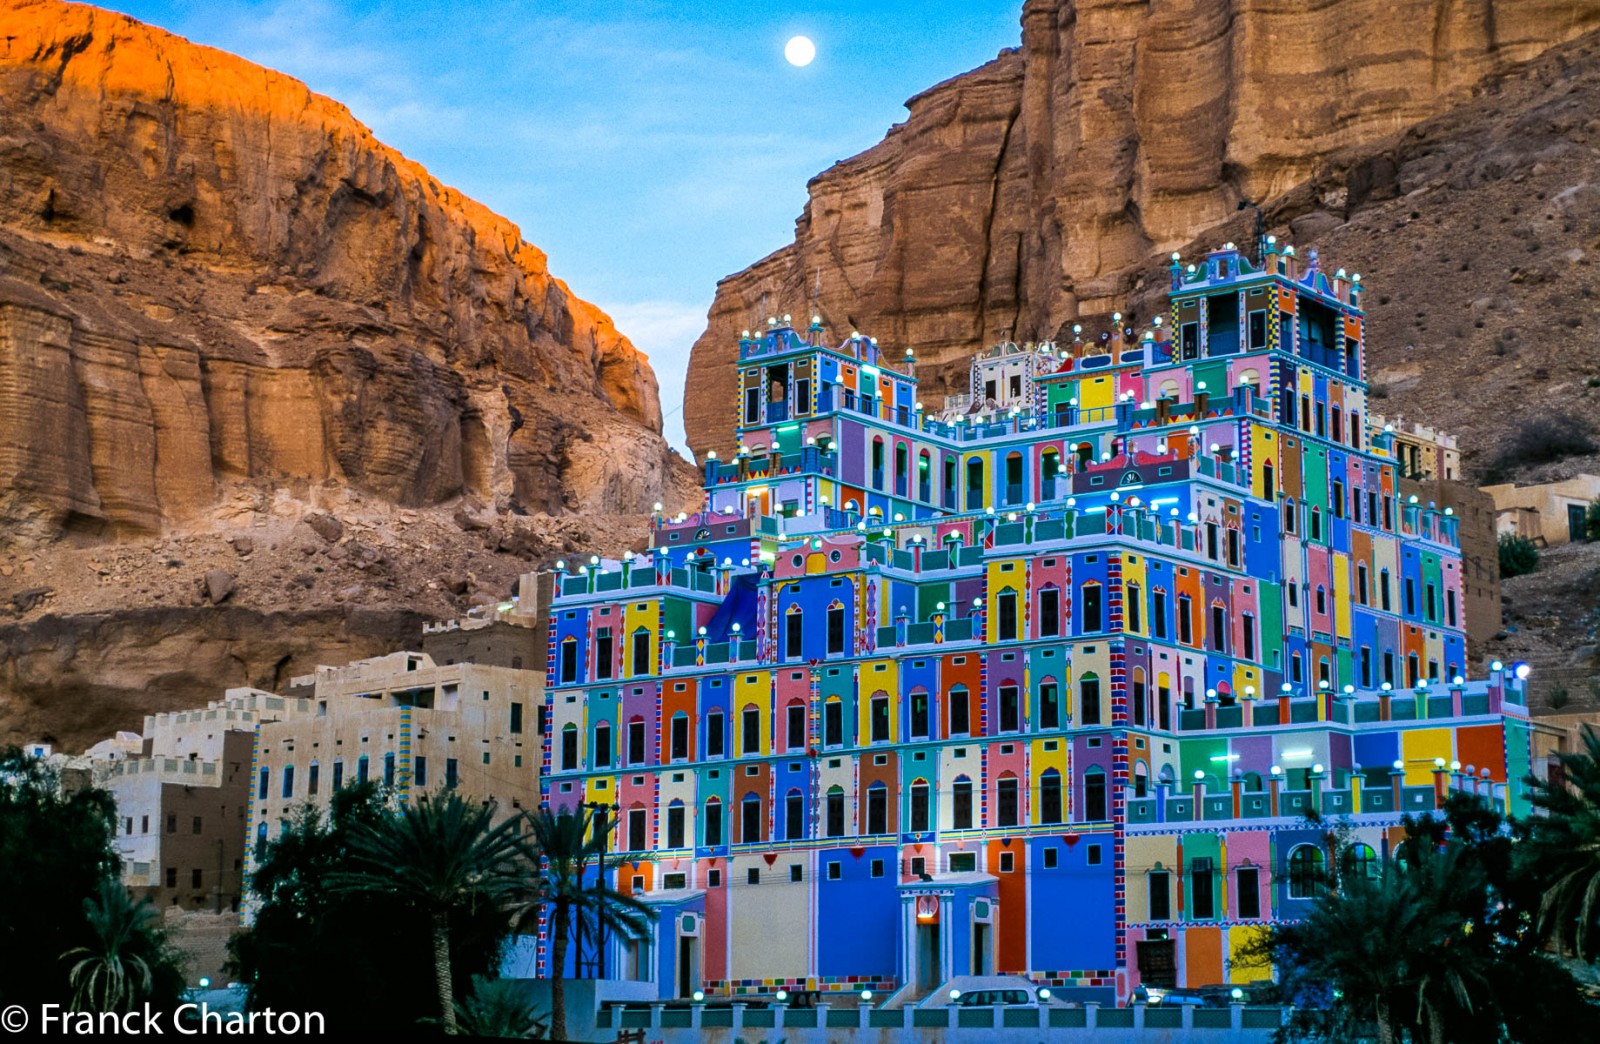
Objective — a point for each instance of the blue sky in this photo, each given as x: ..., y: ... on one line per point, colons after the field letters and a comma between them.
x: 650, y: 148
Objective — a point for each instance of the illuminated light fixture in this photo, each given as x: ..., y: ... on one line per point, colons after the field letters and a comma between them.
x: 1400, y: 766
x: 1317, y: 768
x: 1211, y: 694
x: 1438, y: 763
x: 1298, y: 754
x: 657, y: 506
x: 1199, y: 775
x: 744, y: 333
x: 1386, y: 686
x: 1276, y: 771
x: 1289, y: 250
x: 1323, y: 684
x: 1522, y: 671
x: 939, y: 606
x: 1349, y: 690
x: 955, y: 994
x: 594, y: 560
x: 1249, y: 690
x: 699, y: 995
x: 977, y: 603
x: 1458, y: 680
x: 1116, y: 317
x: 1012, y: 517
x: 783, y: 995
x: 1356, y: 278
x: 866, y: 995
x: 1272, y: 239
x: 702, y: 631
x: 1175, y: 256
x: 1497, y: 666
x: 1031, y: 505
x: 1224, y: 757
x: 1455, y: 766
x: 1044, y: 993
x: 561, y: 563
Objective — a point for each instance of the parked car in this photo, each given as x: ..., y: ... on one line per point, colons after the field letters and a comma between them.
x: 980, y: 991
x: 1167, y: 995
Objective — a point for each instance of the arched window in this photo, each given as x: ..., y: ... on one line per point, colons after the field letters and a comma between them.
x: 675, y: 824
x: 1050, y: 797
x: 919, y: 807
x: 877, y: 463
x: 750, y: 819
x: 750, y: 726
x: 1306, y: 873
x: 877, y: 809
x: 794, y: 815
x: 901, y: 465
x: 679, y: 738
x: 1094, y: 795
x: 568, y: 665
x: 974, y: 483
x: 1089, y: 699
x: 1007, y: 806
x: 960, y: 711
x: 924, y: 477
x: 1013, y: 491
x: 1359, y: 862
x: 716, y: 737
x: 601, y: 755
x: 569, y: 747
x: 834, y: 825
x: 1141, y: 780
x: 713, y: 822
x: 961, y: 804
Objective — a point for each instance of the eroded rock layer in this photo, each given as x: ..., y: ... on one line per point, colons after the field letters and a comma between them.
x: 1033, y: 190
x: 209, y: 273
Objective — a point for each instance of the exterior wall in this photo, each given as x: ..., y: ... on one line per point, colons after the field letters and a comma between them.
x: 200, y: 733
x: 1145, y: 626
x: 519, y: 646
x: 1480, y: 551
x: 1541, y: 512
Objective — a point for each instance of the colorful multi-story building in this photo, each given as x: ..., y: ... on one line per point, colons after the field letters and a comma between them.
x: 1052, y: 681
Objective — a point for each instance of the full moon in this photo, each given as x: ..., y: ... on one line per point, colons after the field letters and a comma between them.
x: 800, y: 50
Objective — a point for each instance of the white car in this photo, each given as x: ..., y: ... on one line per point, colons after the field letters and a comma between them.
x: 982, y: 991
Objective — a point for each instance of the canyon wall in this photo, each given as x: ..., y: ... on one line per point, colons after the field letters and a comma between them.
x: 210, y: 274
x: 1036, y: 189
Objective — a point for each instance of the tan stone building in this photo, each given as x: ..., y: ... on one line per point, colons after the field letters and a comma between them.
x: 1421, y: 452
x: 408, y: 723
x: 1549, y: 513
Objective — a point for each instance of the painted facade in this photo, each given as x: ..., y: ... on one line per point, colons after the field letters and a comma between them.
x: 1044, y: 688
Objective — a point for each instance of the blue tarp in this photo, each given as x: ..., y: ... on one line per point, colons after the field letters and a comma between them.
x: 738, y: 608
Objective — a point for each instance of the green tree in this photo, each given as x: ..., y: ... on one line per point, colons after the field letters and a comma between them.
x: 1518, y: 556
x: 129, y: 960
x: 439, y: 855
x: 1591, y: 521
x: 1562, y: 850
x: 570, y: 885
x: 55, y: 850
x: 386, y: 977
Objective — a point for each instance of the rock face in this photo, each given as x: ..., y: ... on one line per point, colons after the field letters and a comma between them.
x: 1034, y: 190
x: 209, y: 275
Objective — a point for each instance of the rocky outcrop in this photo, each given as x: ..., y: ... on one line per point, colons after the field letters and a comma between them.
x: 209, y: 274
x: 1034, y: 189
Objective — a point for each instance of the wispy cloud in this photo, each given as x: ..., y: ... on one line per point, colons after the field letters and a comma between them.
x: 665, y: 331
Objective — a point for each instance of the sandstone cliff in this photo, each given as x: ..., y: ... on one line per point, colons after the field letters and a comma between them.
x: 211, y: 275
x: 1035, y: 189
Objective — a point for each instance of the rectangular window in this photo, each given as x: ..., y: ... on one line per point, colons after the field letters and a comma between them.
x: 1008, y: 862
x: 835, y: 630
x: 388, y: 769
x: 419, y: 771
x: 1007, y: 804
x: 641, y: 652
x: 451, y: 772
x: 833, y: 723
x: 960, y: 713
x: 1202, y: 890
x: 172, y: 823
x: 880, y: 719
x: 1185, y: 621
x: 1094, y: 796
x: 638, y: 827
x: 1248, y: 629
x: 1049, y: 706
x: 1158, y: 615
x: 714, y: 735
x: 1249, y: 893
x: 1258, y: 330
x: 877, y: 810
x: 713, y: 827
x: 752, y: 405
x: 796, y: 873
x: 1010, y: 709
x: 750, y: 721
x: 1052, y: 858
x: 288, y: 781
x: 1160, y: 896
x: 797, y: 727
x: 794, y: 817
x: 1450, y: 608
x: 835, y: 813
x: 603, y: 653
x: 750, y: 821
x: 1049, y: 612
x: 752, y: 876
x: 1219, y: 629
x: 569, y: 662
x: 680, y: 738
x: 1089, y: 701
x: 919, y: 808
x: 792, y: 635
x: 961, y: 805
x: 516, y: 718
x: 835, y: 870
x: 675, y: 826
x: 1006, y: 615
x: 636, y: 743
x: 313, y: 774
x: 919, y: 715
x: 1093, y: 855
x: 1091, y: 608
x: 1132, y: 607
x: 338, y: 775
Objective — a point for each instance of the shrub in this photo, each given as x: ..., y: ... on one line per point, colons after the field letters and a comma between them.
x: 1518, y: 556
x: 1591, y: 521
x: 1559, y: 697
x: 1542, y: 440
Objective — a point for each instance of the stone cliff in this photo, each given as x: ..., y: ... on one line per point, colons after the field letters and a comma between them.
x: 1036, y: 189
x: 210, y: 275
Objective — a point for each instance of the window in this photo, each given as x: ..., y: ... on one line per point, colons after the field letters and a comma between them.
x: 714, y: 734
x: 834, y: 825
x: 750, y: 720
x: 1089, y: 700
x: 1249, y: 891
x: 835, y: 630
x: 569, y: 748
x: 1049, y: 612
x: 1219, y: 629
x: 1383, y: 590
x: 1006, y: 804
x: 1411, y: 597
x: 419, y: 771
x: 713, y: 823
x: 750, y: 819
x: 1050, y: 797
x: 919, y: 807
x: 680, y: 737
x: 1360, y: 861
x: 835, y: 870
x: 960, y: 711
x: 833, y: 723
x: 636, y: 742
x: 569, y: 661
x: 1139, y: 698
x: 288, y: 781
x: 604, y: 655
x: 451, y: 772
x: 752, y: 876
x: 172, y: 875
x: 1361, y: 584
x: 641, y: 652
x: 961, y: 804
x: 1185, y: 620
x: 1247, y: 623
x: 602, y: 745
x: 796, y: 873
x: 1094, y: 795
x: 1093, y: 855
x: 1202, y: 890
x: 638, y: 829
x: 261, y: 787
x: 1158, y: 615
x: 1008, y: 862
x: 797, y: 726
x: 1160, y: 895
x: 313, y: 772
x: 1306, y: 873
x: 172, y: 823
x: 1052, y: 858
x: 880, y: 718
x: 877, y: 809
x: 1006, y: 615
x: 1049, y: 706
x: 876, y: 868
x: 794, y: 816
x: 919, y: 715
x: 516, y: 718
x: 1010, y: 709
x: 1091, y: 607
x: 1450, y: 608
x: 1132, y: 603
x: 675, y: 826
x: 338, y: 776
x: 792, y: 636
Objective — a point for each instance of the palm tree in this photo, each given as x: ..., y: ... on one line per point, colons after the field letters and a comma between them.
x: 439, y: 855
x: 570, y: 882
x: 1563, y: 850
x: 112, y: 973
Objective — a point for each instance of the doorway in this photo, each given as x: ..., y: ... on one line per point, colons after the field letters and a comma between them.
x: 930, y: 972
x: 980, y: 949
x: 688, y: 965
